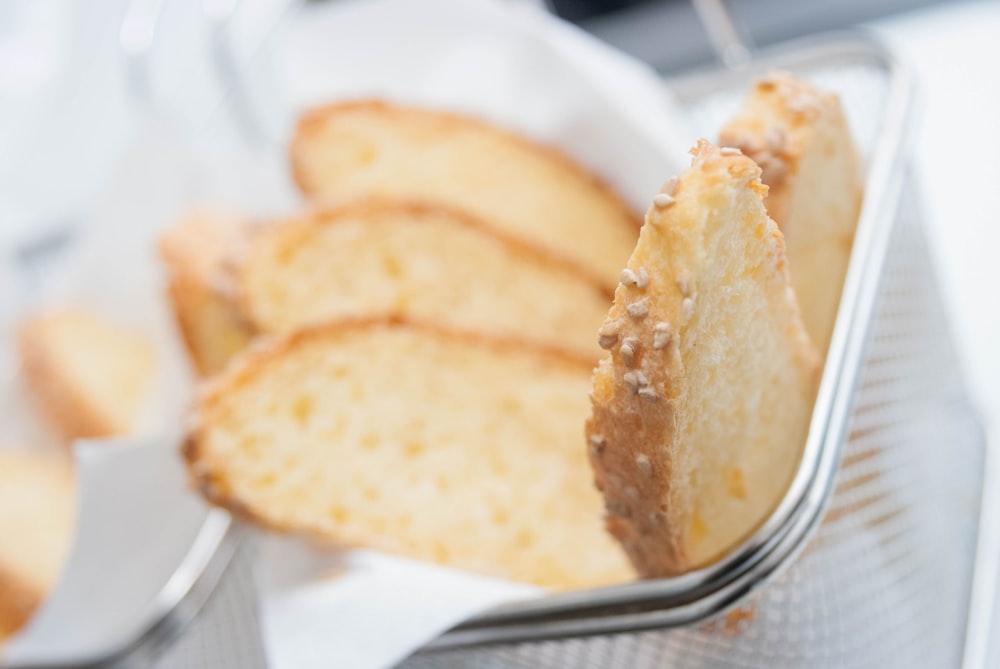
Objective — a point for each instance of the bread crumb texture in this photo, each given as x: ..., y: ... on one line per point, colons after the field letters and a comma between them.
x: 455, y: 448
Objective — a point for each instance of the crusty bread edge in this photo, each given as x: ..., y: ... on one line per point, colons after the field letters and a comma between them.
x: 249, y: 362
x: 183, y: 283
x: 70, y: 411
x: 319, y: 217
x: 315, y: 117
x: 674, y: 554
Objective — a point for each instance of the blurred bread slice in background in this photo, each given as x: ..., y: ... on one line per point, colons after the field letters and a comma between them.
x: 89, y: 377
x: 799, y: 136
x: 354, y: 149
x: 37, y: 513
x: 434, y: 444
x: 415, y: 260
x: 194, y: 253
x: 702, y: 408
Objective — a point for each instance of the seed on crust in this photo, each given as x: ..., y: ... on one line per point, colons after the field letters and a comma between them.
x: 648, y: 394
x: 635, y: 380
x: 638, y: 309
x: 641, y: 278
x: 662, y: 200
x: 628, y: 350
x: 661, y: 335
x: 645, y: 467
x: 628, y: 277
x: 607, y: 336
x: 670, y: 186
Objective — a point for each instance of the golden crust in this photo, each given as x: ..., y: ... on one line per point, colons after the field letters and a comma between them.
x: 423, y: 123
x: 194, y: 253
x: 638, y: 440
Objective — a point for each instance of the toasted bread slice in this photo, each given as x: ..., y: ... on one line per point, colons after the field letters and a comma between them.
x: 800, y: 138
x: 415, y: 260
x: 194, y: 253
x: 90, y: 377
x: 350, y: 150
x: 37, y: 512
x: 701, y: 411
x: 426, y: 442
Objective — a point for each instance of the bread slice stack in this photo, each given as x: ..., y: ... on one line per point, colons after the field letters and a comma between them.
x: 799, y: 136
x: 37, y: 511
x: 436, y: 444
x: 357, y: 149
x: 701, y: 410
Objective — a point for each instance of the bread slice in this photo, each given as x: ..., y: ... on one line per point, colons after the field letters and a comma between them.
x: 799, y: 136
x: 701, y: 411
x: 194, y: 253
x: 349, y: 150
x: 37, y: 513
x: 413, y: 439
x: 90, y: 377
x: 416, y: 260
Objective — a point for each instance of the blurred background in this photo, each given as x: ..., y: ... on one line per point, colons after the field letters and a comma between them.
x: 80, y: 81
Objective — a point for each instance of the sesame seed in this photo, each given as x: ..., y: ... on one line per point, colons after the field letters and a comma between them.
x: 597, y: 443
x: 628, y: 277
x: 642, y: 462
x: 661, y: 335
x: 608, y: 334
x: 632, y: 491
x: 670, y: 186
x: 662, y: 200
x: 642, y: 278
x: 628, y: 355
x: 655, y: 518
x: 688, y: 308
x: 730, y: 151
x: 639, y: 308
x: 648, y: 394
x: 628, y: 348
x: 636, y: 381
x: 632, y: 380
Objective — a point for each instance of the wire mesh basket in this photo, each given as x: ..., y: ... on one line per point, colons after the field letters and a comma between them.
x: 885, y: 581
